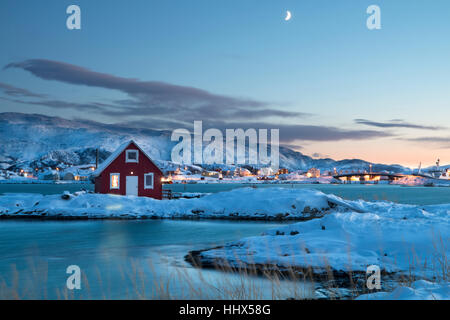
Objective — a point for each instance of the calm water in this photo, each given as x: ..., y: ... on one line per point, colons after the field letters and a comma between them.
x: 124, y: 259
x: 121, y: 259
x: 44, y: 188
x: 395, y: 193
x: 399, y: 194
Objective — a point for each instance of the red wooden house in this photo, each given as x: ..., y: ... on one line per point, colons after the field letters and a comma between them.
x: 129, y: 171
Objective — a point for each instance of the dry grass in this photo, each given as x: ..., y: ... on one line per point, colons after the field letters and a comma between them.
x: 138, y: 281
x: 221, y: 280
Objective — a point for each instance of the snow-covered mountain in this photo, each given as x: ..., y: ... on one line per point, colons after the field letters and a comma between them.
x: 36, y: 140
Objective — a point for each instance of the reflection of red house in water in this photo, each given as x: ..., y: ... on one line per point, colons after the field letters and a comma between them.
x: 129, y: 171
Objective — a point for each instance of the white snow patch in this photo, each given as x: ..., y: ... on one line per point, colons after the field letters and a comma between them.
x: 244, y: 203
x: 419, y: 290
x: 397, y: 238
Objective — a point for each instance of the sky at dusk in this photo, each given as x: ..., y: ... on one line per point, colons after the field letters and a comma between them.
x: 333, y: 87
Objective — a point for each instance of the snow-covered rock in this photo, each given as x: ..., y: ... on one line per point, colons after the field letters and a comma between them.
x: 422, y: 181
x: 244, y: 203
x: 398, y: 238
x: 419, y: 290
x: 334, y: 234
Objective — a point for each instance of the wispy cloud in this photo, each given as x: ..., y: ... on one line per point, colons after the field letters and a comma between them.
x: 441, y: 142
x: 397, y: 123
x: 160, y: 105
x: 288, y: 132
x: 18, y: 92
x: 153, y: 97
x: 298, y: 132
x: 59, y: 104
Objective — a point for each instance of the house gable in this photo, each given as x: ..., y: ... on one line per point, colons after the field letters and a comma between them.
x: 121, y: 153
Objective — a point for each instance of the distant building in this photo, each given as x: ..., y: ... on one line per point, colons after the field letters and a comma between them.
x: 226, y: 173
x: 69, y: 176
x: 313, y: 173
x: 265, y: 172
x: 212, y: 174
x: 242, y: 172
x: 49, y: 174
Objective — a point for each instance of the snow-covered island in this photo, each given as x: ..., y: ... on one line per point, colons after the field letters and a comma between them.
x: 418, y: 290
x: 330, y: 235
x: 405, y: 241
x: 238, y: 204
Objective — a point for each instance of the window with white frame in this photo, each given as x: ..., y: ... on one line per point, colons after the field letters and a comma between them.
x: 114, y: 181
x: 132, y: 156
x: 148, y: 181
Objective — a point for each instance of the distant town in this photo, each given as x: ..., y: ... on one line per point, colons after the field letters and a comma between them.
x: 191, y: 174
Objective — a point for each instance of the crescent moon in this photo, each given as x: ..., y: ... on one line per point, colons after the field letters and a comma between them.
x: 288, y: 16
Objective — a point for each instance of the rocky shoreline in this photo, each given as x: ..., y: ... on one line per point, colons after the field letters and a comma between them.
x: 329, y: 283
x: 246, y: 204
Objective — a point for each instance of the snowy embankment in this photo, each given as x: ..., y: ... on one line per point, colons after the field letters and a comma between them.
x: 36, y: 181
x: 336, y: 235
x: 422, y: 181
x: 244, y: 203
x: 419, y: 290
x: 393, y: 237
x: 403, y: 240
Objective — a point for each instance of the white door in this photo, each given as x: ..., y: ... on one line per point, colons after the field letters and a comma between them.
x: 132, y: 186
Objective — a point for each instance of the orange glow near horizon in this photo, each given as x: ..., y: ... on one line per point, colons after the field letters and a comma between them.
x: 381, y: 151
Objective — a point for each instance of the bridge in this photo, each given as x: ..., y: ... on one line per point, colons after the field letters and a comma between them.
x: 368, y: 176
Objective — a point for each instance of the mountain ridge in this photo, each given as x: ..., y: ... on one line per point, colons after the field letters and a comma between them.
x: 36, y: 139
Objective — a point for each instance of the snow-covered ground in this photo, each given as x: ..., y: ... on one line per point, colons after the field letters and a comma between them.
x: 189, y: 179
x: 403, y: 240
x: 419, y: 290
x: 23, y: 180
x: 334, y: 234
x: 397, y: 238
x: 243, y: 203
x: 422, y: 181
x: 347, y: 235
x: 253, y: 179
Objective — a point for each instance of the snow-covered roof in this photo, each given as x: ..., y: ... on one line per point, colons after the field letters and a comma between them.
x: 117, y: 153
